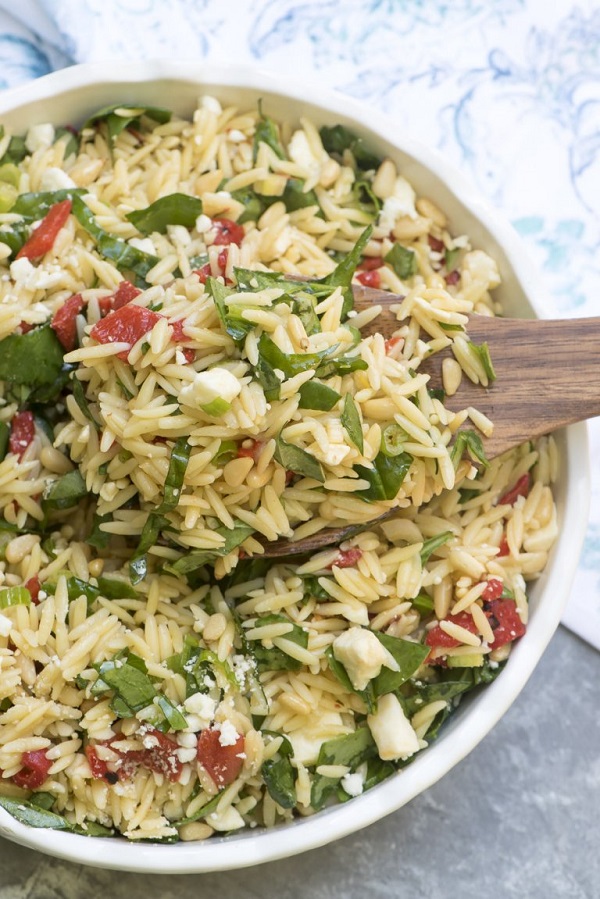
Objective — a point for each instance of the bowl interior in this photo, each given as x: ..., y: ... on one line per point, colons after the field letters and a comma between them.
x: 69, y: 97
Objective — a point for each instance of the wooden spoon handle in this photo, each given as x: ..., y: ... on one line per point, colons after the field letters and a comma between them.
x: 547, y: 376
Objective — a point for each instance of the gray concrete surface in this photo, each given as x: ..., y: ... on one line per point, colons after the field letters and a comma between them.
x: 518, y: 819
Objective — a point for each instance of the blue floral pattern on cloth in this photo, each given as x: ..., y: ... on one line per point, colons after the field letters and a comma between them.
x: 508, y: 91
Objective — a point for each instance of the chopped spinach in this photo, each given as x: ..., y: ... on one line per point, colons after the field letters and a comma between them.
x: 482, y: 351
x: 403, y: 261
x: 192, y: 561
x: 385, y: 476
x: 315, y: 395
x: 337, y: 139
x: 350, y: 750
x: 350, y: 419
x: 430, y: 546
x: 471, y: 442
x: 174, y: 209
x: 119, y: 117
x: 294, y: 458
x: 276, y: 659
x: 32, y: 364
x: 279, y: 775
x: 65, y: 492
x: 4, y: 438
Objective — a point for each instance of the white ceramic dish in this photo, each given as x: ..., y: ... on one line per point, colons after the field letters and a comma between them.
x: 68, y: 97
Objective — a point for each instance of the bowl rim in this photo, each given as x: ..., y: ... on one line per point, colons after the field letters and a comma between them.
x: 462, y: 735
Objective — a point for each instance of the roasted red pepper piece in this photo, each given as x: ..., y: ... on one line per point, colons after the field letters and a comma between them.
x: 505, y: 621
x: 493, y: 589
x: 438, y: 637
x: 34, y: 771
x: 391, y: 344
x: 369, y: 263
x: 452, y: 277
x: 159, y: 755
x: 521, y: 488
x: 370, y: 278
x: 98, y: 766
x: 22, y: 432
x: 251, y: 451
x: 346, y: 558
x: 227, y: 232
x: 206, y: 271
x: 64, y: 321
x: 221, y: 763
x: 43, y: 237
x: 34, y: 587
x: 125, y: 325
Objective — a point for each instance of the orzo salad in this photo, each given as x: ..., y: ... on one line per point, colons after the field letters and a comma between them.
x: 183, y: 380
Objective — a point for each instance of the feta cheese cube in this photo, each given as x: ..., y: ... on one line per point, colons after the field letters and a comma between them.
x: 39, y: 137
x: 55, y: 179
x: 362, y: 655
x: 393, y: 733
x: 208, y: 386
x: 401, y: 203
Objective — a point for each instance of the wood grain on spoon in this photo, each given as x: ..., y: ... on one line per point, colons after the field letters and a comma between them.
x: 547, y: 377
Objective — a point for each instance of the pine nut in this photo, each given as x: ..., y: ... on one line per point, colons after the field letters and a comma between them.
x: 55, y: 461
x: 451, y: 376
x: 214, y: 627
x: 236, y: 471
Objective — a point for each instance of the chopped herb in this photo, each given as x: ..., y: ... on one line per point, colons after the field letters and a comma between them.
x: 279, y: 775
x: 430, y: 546
x: 351, y: 422
x: 267, y: 132
x: 65, y: 492
x: 156, y: 520
x: 403, y: 261
x: 482, y: 351
x: 471, y: 442
x: 351, y: 751
x: 118, y: 118
x: 276, y: 659
x: 230, y: 315
x: 80, y: 398
x: 451, y: 258
x: 315, y: 395
x: 192, y: 561
x: 295, y: 459
x: 33, y: 363
x: 337, y: 139
x: 14, y: 596
x: 385, y: 476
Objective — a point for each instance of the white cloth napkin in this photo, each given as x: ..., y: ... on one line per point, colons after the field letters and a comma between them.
x: 508, y: 91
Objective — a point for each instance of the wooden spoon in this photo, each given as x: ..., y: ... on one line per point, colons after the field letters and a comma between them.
x: 547, y: 377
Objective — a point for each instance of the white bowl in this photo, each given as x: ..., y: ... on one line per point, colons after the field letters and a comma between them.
x: 68, y: 97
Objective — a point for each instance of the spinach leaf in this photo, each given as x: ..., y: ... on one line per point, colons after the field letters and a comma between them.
x: 295, y: 459
x: 451, y: 258
x: 364, y: 199
x: 289, y: 363
x: 254, y: 204
x: 403, y: 261
x: 123, y: 255
x: 276, y: 659
x: 430, y: 546
x: 351, y: 750
x: 423, y: 603
x: 340, y: 672
x: 471, y: 442
x: 267, y: 378
x: 130, y: 683
x: 117, y: 118
x: 16, y: 150
x: 34, y: 206
x: 71, y: 143
x: 65, y: 492
x: 14, y: 236
x: 156, y: 520
x: 33, y: 361
x: 385, y: 476
x: 337, y: 139
x: 174, y: 209
x: 26, y: 812
x: 230, y: 315
x: 343, y: 365
x: 78, y: 391
x: 482, y: 351
x: 267, y: 132
x: 295, y: 197
x: 312, y: 588
x: 195, y: 560
x: 202, y: 812
x: 279, y: 776
x: 409, y: 657
x: 315, y: 395
x: 98, y: 538
x: 351, y: 422
x: 342, y: 274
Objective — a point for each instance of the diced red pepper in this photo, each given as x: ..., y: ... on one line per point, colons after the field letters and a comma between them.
x: 34, y: 771
x: 346, y: 558
x: 22, y: 432
x: 370, y: 279
x: 505, y: 621
x: 34, y: 586
x: 160, y: 756
x: 206, y: 270
x: 125, y: 293
x: 369, y: 263
x: 493, y: 589
x: 26, y: 327
x: 503, y: 549
x: 437, y: 637
x: 98, y: 766
x: 521, y: 488
x: 227, y: 232
x: 452, y: 277
x: 391, y: 344
x: 179, y: 336
x: 221, y: 763
x: 125, y: 325
x: 42, y: 238
x: 252, y: 451
x: 64, y: 321
x: 435, y: 243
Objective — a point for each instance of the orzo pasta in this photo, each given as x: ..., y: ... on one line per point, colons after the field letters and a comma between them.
x: 173, y: 396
